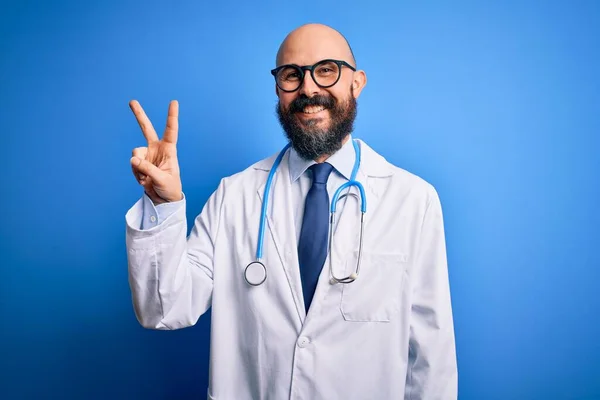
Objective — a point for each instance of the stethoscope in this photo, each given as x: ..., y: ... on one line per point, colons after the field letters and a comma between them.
x: 256, y: 272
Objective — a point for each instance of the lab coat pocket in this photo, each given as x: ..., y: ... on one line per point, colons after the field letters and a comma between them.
x: 375, y: 295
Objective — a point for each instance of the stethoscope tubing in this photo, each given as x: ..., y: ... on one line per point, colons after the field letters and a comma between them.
x: 335, y: 198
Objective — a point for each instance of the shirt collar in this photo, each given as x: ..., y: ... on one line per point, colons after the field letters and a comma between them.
x: 342, y: 160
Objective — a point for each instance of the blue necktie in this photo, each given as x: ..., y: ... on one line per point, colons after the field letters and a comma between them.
x: 312, y: 247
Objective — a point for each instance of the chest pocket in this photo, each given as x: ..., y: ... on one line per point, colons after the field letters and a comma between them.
x: 375, y: 295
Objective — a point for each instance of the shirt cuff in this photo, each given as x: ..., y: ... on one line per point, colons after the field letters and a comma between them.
x: 154, y: 215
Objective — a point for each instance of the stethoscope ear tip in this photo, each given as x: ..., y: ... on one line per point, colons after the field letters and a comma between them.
x: 349, y: 279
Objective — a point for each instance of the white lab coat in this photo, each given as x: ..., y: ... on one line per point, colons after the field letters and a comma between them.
x: 388, y: 335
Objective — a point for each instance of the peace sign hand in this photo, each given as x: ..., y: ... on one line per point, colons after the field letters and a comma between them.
x: 155, y: 166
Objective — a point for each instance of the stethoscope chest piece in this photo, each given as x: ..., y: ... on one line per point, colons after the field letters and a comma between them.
x: 255, y: 273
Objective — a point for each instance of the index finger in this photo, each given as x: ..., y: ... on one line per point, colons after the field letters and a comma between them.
x: 172, y: 128
x: 144, y: 121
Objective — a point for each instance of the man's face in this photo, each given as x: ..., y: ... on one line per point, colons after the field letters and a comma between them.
x: 315, y: 118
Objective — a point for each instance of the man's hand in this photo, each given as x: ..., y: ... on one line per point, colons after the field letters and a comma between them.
x: 155, y: 166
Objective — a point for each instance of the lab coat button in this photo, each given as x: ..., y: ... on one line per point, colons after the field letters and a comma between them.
x: 303, y: 341
x: 152, y: 218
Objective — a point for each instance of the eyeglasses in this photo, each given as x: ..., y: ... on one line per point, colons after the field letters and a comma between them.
x: 325, y: 73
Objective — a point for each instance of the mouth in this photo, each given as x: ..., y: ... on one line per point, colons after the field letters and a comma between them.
x: 312, y: 113
x: 313, y: 109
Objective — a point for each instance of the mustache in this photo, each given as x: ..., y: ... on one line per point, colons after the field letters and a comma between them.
x: 298, y: 104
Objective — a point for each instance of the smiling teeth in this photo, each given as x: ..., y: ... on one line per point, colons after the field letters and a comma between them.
x: 313, y: 109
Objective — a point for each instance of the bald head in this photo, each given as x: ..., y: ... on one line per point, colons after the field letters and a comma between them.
x: 314, y: 42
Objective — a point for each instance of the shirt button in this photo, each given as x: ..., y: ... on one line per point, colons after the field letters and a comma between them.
x: 152, y: 218
x: 303, y: 341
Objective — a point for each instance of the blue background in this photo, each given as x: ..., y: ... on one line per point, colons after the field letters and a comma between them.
x: 497, y: 105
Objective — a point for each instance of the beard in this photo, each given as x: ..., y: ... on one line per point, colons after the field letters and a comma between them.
x: 310, y: 141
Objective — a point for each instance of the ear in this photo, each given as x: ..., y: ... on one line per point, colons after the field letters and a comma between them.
x: 359, y: 81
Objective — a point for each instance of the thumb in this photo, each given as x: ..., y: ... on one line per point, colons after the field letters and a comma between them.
x: 146, y: 168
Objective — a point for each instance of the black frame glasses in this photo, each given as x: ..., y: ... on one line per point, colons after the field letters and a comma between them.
x: 311, y: 68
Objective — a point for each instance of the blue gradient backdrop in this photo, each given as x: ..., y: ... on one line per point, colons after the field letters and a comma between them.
x: 497, y: 105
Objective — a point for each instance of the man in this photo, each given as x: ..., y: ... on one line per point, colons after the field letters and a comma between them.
x: 297, y: 329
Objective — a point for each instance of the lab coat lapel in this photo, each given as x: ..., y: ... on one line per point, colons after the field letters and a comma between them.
x: 280, y: 225
x: 346, y: 237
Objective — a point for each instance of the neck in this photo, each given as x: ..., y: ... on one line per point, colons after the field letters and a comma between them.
x: 324, y: 157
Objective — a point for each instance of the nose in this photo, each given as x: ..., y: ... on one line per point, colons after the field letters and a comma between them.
x: 309, y: 87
